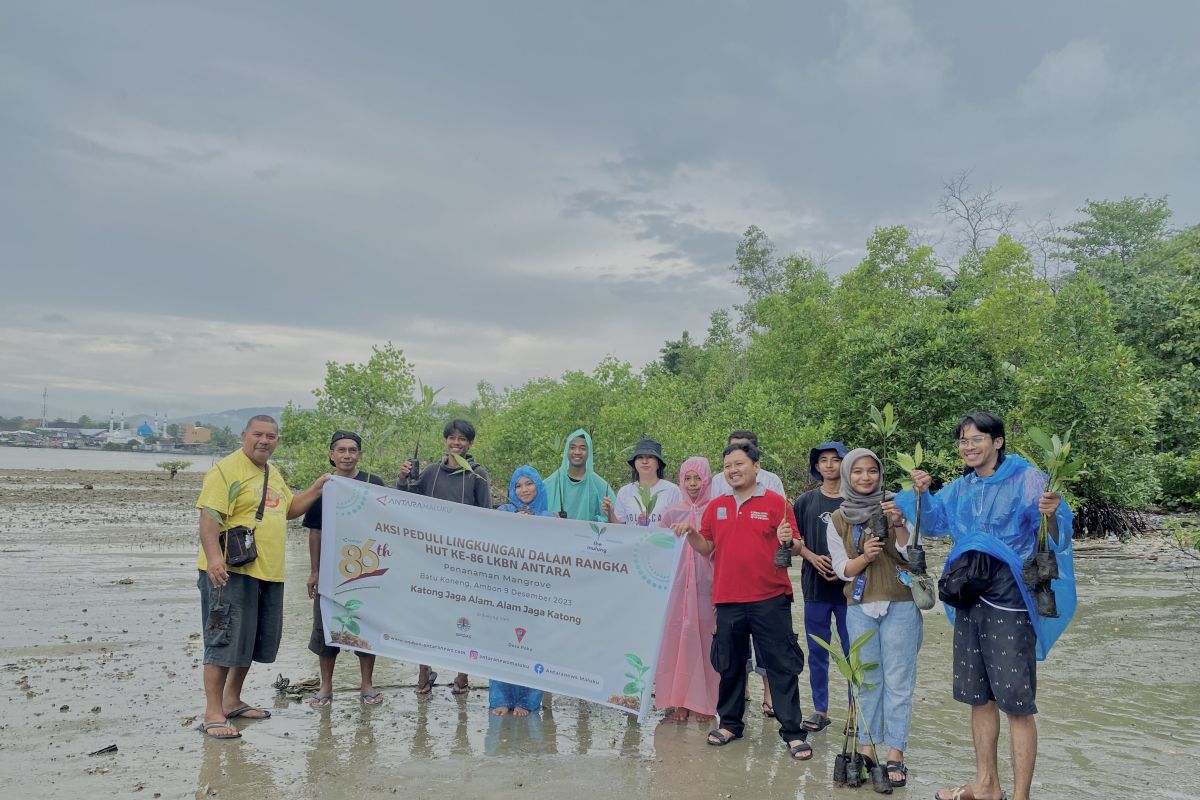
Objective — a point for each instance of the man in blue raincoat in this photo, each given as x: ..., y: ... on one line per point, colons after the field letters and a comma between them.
x: 993, y: 513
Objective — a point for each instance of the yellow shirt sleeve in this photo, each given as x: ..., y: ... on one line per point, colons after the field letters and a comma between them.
x: 214, y: 493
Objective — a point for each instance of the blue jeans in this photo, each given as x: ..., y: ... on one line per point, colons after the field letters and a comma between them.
x: 816, y: 622
x: 887, y: 707
x: 509, y: 695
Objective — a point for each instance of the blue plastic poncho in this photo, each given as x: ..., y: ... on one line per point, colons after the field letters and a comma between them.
x: 998, y: 515
x: 538, y: 506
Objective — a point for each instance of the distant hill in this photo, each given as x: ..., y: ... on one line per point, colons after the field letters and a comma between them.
x: 234, y: 418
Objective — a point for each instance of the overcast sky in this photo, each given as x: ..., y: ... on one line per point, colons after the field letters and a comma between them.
x: 204, y: 202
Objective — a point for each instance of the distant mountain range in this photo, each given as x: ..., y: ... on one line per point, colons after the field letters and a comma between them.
x: 234, y: 419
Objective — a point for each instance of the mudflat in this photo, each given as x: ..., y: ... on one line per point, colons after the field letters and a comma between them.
x: 100, y: 646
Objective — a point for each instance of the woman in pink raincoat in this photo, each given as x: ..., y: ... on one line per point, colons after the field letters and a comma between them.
x: 686, y: 681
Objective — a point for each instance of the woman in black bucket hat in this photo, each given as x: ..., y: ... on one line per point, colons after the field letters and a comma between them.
x: 649, y: 494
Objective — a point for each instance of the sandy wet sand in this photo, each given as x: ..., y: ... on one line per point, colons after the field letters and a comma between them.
x: 100, y: 646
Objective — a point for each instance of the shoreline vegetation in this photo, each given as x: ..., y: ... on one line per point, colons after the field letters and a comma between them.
x: 1088, y: 328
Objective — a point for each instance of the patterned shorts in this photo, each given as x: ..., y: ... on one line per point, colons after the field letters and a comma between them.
x: 995, y: 659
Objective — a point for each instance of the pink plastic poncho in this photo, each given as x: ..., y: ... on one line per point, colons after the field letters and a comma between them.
x: 685, y: 676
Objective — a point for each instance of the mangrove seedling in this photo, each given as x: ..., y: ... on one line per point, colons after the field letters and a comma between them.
x: 1061, y: 471
x: 916, y: 553
x: 885, y: 424
x: 234, y: 489
x: 646, y: 501
x: 850, y: 764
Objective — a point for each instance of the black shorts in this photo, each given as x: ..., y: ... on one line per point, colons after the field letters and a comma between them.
x: 316, y: 641
x: 995, y: 659
x: 242, y: 622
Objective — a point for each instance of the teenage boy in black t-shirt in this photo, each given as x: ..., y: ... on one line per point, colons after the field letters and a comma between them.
x: 345, y: 449
x: 823, y: 595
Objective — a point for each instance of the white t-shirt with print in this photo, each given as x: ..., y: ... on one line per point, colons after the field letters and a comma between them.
x: 628, y: 507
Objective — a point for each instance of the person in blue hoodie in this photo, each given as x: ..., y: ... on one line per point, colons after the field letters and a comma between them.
x: 527, y: 495
x: 993, y: 513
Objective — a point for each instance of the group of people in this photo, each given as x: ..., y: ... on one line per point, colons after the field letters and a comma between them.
x: 730, y: 610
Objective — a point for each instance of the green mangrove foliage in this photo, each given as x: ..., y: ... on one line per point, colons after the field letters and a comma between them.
x: 1107, y: 343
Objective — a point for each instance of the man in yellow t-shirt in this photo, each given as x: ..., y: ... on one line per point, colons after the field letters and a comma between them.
x: 242, y: 607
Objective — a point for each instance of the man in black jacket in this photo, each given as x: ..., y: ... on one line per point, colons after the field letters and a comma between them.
x: 457, y: 478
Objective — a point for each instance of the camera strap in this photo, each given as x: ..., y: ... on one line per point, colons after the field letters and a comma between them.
x: 860, y: 580
x: 262, y: 504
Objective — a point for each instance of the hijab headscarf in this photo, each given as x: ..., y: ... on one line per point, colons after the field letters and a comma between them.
x: 538, y: 506
x: 685, y: 509
x: 857, y: 507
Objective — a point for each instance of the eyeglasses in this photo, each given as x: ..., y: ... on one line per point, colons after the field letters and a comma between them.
x: 974, y: 440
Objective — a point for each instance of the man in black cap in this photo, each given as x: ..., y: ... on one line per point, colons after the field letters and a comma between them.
x: 345, y: 449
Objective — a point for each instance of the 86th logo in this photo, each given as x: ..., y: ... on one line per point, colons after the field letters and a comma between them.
x: 360, y: 562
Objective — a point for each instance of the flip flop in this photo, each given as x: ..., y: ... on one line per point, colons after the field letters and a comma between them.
x: 371, y: 698
x: 427, y: 686
x: 320, y: 699
x: 241, y: 712
x: 816, y: 722
x: 801, y: 752
x: 768, y: 710
x: 206, y: 729
x: 961, y: 792
x: 718, y: 739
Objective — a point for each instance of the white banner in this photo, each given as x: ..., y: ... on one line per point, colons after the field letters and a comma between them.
x: 570, y: 607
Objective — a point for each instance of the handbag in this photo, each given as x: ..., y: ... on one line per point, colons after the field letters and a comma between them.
x: 238, y: 543
x: 964, y: 581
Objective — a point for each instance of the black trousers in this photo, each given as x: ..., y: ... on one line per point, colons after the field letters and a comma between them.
x: 770, y: 621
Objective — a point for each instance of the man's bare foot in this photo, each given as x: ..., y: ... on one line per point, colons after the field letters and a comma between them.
x: 426, y: 678
x: 499, y: 712
x: 219, y: 729
x: 970, y: 791
x: 520, y: 712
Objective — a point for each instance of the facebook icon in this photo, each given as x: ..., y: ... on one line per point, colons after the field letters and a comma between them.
x: 539, y: 669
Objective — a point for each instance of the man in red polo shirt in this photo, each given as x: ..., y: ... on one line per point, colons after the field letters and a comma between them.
x: 753, y: 596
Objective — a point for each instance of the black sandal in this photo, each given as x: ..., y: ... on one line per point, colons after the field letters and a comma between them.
x: 768, y: 710
x: 897, y: 766
x: 816, y: 722
x: 797, y: 749
x: 718, y: 739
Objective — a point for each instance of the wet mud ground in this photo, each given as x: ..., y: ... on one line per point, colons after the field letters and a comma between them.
x: 99, y: 645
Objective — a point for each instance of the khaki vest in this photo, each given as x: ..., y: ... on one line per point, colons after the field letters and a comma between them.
x: 881, y: 573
